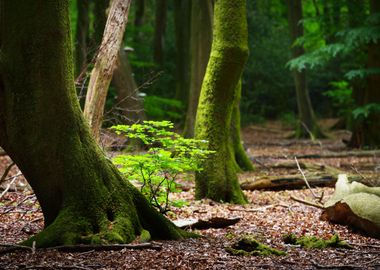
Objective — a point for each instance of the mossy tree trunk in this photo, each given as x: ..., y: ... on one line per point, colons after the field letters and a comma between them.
x: 83, y: 197
x: 366, y: 132
x: 200, y: 46
x: 308, y: 123
x: 242, y: 160
x: 218, y: 180
x: 105, y: 64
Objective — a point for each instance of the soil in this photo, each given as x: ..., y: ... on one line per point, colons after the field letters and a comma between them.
x: 268, y: 216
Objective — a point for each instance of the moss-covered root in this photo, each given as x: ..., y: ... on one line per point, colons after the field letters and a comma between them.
x: 314, y: 242
x: 247, y: 246
x: 72, y: 227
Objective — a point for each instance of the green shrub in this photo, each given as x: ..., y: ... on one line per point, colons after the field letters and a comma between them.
x: 168, y: 156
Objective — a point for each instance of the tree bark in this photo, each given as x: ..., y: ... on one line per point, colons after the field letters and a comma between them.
x: 82, y: 36
x: 200, y: 46
x: 306, y: 116
x: 105, y: 65
x: 182, y: 17
x: 159, y: 31
x: 218, y: 180
x: 83, y: 197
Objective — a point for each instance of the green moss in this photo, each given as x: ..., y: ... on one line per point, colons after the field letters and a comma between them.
x: 145, y: 236
x: 314, y: 242
x: 248, y: 246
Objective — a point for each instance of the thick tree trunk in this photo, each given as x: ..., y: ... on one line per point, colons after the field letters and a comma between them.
x: 82, y: 37
x: 218, y: 179
x: 200, y: 46
x: 366, y: 133
x: 182, y: 16
x: 307, y: 119
x: 241, y: 158
x: 83, y: 197
x: 129, y: 106
x: 159, y: 31
x: 105, y: 65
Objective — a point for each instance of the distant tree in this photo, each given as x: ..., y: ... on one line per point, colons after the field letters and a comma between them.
x: 82, y: 36
x: 218, y: 181
x: 182, y: 18
x: 308, y: 123
x: 129, y: 107
x: 200, y: 46
x: 83, y: 197
x: 159, y: 31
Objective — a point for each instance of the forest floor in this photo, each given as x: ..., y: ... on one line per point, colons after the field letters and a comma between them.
x: 268, y: 216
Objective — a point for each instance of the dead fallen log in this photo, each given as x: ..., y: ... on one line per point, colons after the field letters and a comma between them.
x: 368, y: 153
x: 289, y: 182
x: 215, y: 222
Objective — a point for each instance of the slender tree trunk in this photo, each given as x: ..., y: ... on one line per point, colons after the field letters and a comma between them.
x: 307, y: 119
x: 241, y: 158
x: 130, y: 107
x: 105, y: 64
x: 81, y: 44
x: 200, y: 46
x: 218, y: 179
x: 140, y: 13
x: 159, y: 31
x: 366, y: 132
x: 83, y: 197
x: 182, y: 16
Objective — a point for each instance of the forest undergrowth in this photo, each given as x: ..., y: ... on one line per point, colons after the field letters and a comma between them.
x: 268, y: 217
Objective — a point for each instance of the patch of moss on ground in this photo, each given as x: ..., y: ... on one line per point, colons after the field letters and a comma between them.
x: 314, y: 242
x: 247, y: 246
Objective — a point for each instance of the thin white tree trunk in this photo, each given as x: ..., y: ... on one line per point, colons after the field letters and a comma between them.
x: 105, y: 64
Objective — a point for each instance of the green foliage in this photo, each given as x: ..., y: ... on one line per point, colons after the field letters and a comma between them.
x: 247, y: 246
x: 341, y: 97
x: 267, y: 84
x: 314, y: 242
x: 363, y: 112
x: 158, y: 108
x: 168, y: 156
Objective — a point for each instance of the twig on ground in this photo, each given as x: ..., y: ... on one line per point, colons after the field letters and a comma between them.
x: 334, y: 266
x: 364, y: 245
x: 8, y: 187
x: 11, y: 247
x: 259, y: 209
x: 81, y: 248
x: 307, y: 183
x: 317, y: 205
x: 357, y: 171
x: 6, y: 172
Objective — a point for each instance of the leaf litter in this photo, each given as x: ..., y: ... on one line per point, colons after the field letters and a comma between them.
x: 268, y: 217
